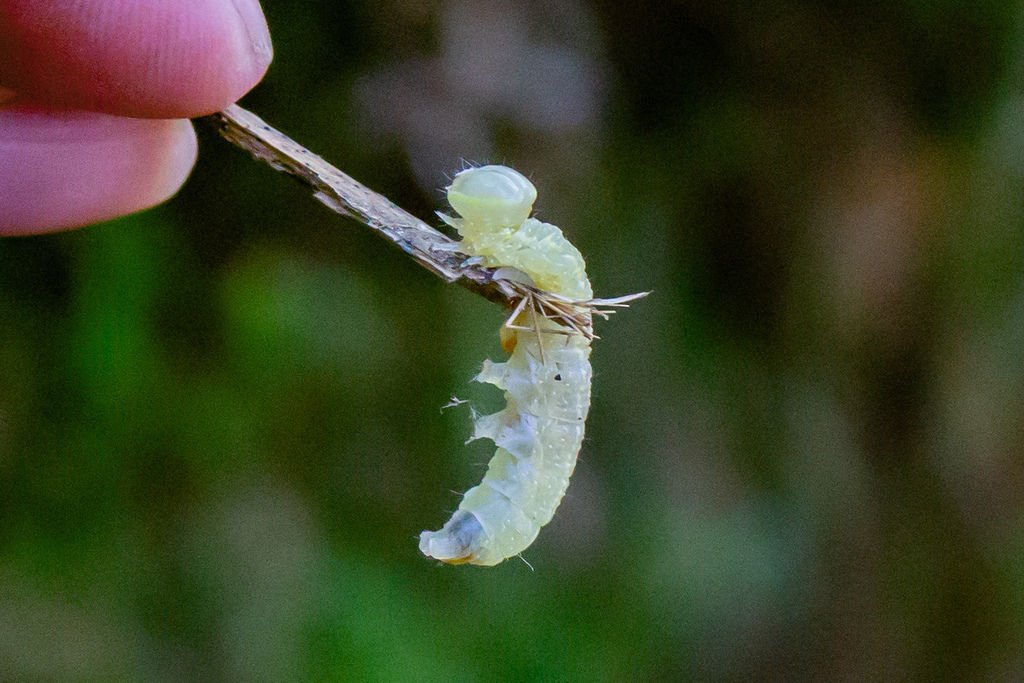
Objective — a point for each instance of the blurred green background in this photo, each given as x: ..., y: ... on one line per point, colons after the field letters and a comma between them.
x: 219, y: 419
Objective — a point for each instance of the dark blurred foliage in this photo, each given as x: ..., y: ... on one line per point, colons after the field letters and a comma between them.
x: 219, y: 424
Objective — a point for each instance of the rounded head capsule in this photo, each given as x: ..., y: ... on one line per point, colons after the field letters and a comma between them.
x: 492, y: 196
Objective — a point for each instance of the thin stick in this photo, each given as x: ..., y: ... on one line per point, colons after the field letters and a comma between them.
x: 431, y: 249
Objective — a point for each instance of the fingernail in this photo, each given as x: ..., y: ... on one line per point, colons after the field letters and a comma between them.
x: 256, y: 27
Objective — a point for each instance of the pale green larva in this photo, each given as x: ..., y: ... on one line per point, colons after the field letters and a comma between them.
x: 546, y: 379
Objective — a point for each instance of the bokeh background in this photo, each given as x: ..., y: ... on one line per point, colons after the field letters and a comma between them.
x: 219, y: 420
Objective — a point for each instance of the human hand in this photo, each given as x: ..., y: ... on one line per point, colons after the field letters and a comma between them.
x: 94, y: 97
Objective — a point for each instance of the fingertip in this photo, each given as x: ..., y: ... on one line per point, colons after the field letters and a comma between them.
x: 172, y: 156
x: 158, y: 59
x: 61, y: 170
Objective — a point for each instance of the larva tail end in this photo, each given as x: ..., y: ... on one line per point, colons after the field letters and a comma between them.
x: 456, y: 542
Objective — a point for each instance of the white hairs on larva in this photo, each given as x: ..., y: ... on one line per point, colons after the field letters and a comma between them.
x: 546, y: 379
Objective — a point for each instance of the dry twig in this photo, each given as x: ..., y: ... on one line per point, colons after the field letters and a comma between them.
x: 430, y: 248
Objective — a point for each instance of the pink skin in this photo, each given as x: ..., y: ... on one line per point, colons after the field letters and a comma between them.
x: 72, y: 72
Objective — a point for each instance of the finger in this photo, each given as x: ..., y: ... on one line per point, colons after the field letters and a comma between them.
x: 157, y: 59
x: 66, y: 169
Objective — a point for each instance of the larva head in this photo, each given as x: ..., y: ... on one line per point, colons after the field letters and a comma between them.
x: 491, y: 197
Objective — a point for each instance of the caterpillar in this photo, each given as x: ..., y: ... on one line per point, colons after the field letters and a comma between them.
x: 546, y: 378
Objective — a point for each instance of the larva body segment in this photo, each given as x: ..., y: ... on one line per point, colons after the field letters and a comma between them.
x: 546, y: 379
